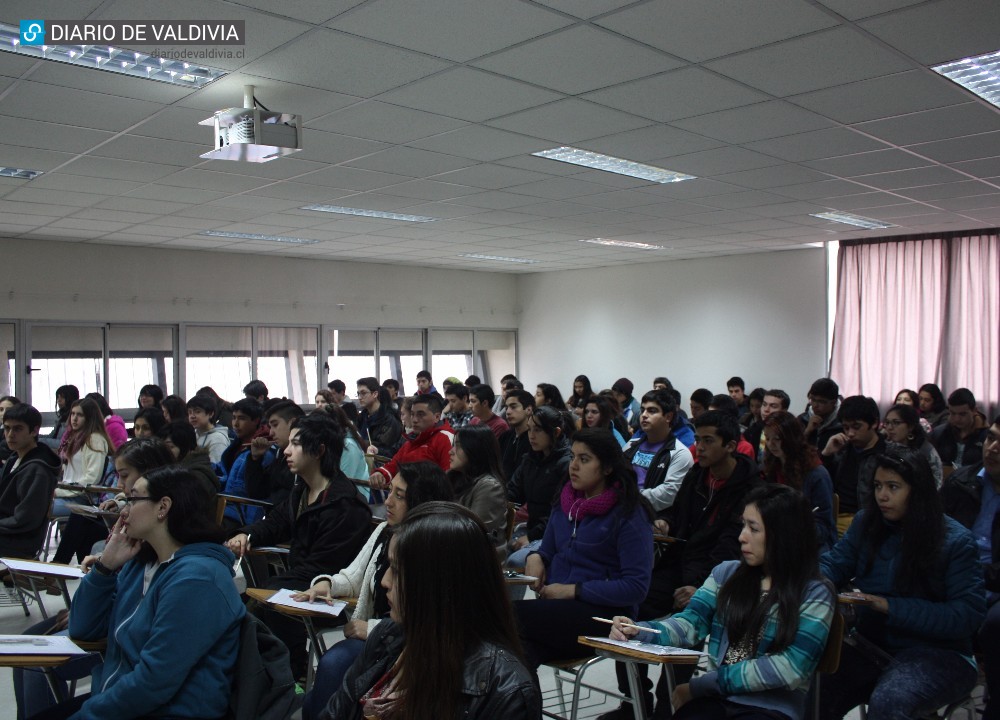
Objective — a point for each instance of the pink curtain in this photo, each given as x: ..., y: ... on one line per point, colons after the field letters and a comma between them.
x: 915, y: 311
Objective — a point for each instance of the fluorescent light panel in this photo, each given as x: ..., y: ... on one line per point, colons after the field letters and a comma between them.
x: 255, y: 236
x: 19, y: 173
x: 367, y: 213
x: 856, y: 220
x: 113, y: 59
x: 625, y: 244
x: 585, y: 158
x: 979, y: 75
x: 498, y: 258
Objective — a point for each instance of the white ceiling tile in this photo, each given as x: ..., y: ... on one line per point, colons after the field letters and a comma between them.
x: 986, y: 168
x: 177, y: 123
x: 181, y: 221
x: 37, y: 101
x: 327, y: 147
x: 310, y: 11
x: 469, y: 94
x: 158, y: 207
x: 107, y: 83
x: 497, y: 200
x: 559, y: 188
x: 938, y: 124
x: 790, y: 67
x: 411, y: 161
x: 299, y: 191
x: 786, y: 210
x: 820, y: 189
x: 678, y: 94
x: 32, y: 158
x: 482, y: 143
x: 381, y: 121
x: 698, y: 31
x: 12, y: 65
x: 568, y: 121
x: 145, y: 149
x: 755, y: 122
x: 947, y: 190
x: 352, y: 178
x: 867, y: 163
x: 24, y: 221
x: 940, y: 31
x: 741, y: 199
x: 214, y: 213
x: 101, y: 226
x: 77, y: 183
x: 34, y: 208
x: 857, y: 9
x: 772, y: 177
x: 377, y: 67
x: 720, y: 160
x: 816, y: 144
x: 279, y: 169
x: 191, y: 195
x: 975, y: 202
x: 585, y: 8
x: 576, y: 60
x: 861, y: 201
x: 51, y: 136
x: 29, y: 194
x: 129, y: 218
x: 647, y: 144
x: 213, y: 181
x: 452, y: 29
x: 279, y: 95
x: 911, y: 178
x: 542, y: 165
x: 882, y: 97
x: 971, y: 147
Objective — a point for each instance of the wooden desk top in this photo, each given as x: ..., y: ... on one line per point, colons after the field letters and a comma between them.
x: 30, y: 661
x: 850, y: 598
x: 666, y: 539
x: 241, y: 500
x: 89, y: 511
x: 691, y: 659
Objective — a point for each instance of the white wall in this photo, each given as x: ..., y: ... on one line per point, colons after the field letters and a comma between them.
x: 75, y: 281
x: 699, y: 322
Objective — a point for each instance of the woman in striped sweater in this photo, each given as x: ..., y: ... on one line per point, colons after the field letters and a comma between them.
x: 767, y: 618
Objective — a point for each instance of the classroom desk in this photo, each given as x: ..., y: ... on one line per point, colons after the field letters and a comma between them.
x: 43, y: 661
x: 241, y: 503
x: 317, y: 646
x: 631, y: 658
x: 33, y: 570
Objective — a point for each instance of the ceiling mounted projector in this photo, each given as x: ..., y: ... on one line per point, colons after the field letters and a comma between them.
x: 253, y: 133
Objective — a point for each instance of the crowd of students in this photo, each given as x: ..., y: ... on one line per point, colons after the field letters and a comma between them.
x: 761, y: 517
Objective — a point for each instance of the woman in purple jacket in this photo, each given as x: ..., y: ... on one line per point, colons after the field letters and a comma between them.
x: 596, y: 557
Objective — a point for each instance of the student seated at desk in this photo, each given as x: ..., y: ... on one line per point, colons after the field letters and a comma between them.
x: 462, y: 658
x: 84, y: 452
x: 162, y: 568
x: 767, y: 617
x: 325, y: 521
x: 921, y: 572
x: 415, y: 484
x: 596, y: 556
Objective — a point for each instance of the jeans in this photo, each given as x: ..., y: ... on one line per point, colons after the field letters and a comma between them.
x: 31, y: 689
x: 516, y: 561
x: 330, y: 674
x: 917, y: 681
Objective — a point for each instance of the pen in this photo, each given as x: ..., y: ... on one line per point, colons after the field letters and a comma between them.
x: 628, y: 625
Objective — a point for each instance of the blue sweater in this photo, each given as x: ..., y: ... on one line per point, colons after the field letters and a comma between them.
x: 948, y: 621
x: 171, y: 652
x: 610, y: 557
x: 235, y: 483
x: 773, y: 680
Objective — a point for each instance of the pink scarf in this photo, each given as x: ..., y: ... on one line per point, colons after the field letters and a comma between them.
x: 577, y: 507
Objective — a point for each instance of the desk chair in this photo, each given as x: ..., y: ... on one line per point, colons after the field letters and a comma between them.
x: 830, y: 660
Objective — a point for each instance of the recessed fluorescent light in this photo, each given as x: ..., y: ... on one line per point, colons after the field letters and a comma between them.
x: 625, y: 244
x: 856, y: 220
x: 19, y: 173
x: 255, y: 236
x: 585, y: 158
x: 498, y: 258
x: 980, y: 75
x: 367, y: 213
x: 113, y: 59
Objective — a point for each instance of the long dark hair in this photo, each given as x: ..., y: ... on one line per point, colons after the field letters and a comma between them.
x: 549, y: 421
x: 321, y: 436
x: 800, y: 456
x: 910, y: 416
x: 337, y: 414
x: 922, y: 526
x: 790, y: 560
x: 145, y: 454
x: 93, y: 424
x: 935, y: 392
x: 552, y: 396
x: 579, y: 399
x: 70, y: 394
x: 621, y: 478
x: 604, y: 408
x: 425, y: 482
x: 192, y: 511
x: 448, y: 608
x: 482, y: 452
x: 153, y: 391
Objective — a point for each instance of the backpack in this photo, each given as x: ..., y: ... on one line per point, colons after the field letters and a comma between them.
x: 263, y: 686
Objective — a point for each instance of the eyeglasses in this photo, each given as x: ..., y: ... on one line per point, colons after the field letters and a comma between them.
x: 363, y: 393
x: 136, y: 498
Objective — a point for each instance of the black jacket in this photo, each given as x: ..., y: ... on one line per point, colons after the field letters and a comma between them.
x: 945, y: 440
x: 272, y: 483
x: 708, y: 521
x: 536, y: 483
x: 852, y: 471
x: 513, y: 448
x: 25, y: 499
x: 382, y: 429
x: 324, y: 538
x: 495, y: 684
x: 962, y: 497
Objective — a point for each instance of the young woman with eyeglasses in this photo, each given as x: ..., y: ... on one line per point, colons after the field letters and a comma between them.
x: 902, y: 425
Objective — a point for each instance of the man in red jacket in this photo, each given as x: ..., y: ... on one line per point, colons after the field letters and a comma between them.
x: 433, y: 440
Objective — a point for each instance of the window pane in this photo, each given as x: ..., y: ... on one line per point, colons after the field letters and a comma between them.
x: 286, y: 362
x: 451, y: 355
x: 352, y: 356
x: 139, y: 356
x: 7, y: 365
x: 497, y: 351
x: 401, y: 356
x: 219, y: 357
x: 65, y: 355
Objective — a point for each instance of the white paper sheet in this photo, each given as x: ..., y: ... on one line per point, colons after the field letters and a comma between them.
x: 38, y: 645
x: 50, y: 569
x: 284, y: 597
x: 662, y: 650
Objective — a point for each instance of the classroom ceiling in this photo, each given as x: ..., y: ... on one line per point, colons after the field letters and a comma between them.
x: 781, y: 108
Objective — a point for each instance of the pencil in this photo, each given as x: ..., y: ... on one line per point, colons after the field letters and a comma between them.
x: 628, y: 625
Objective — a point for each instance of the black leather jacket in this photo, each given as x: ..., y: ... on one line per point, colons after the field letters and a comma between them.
x: 494, y: 683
